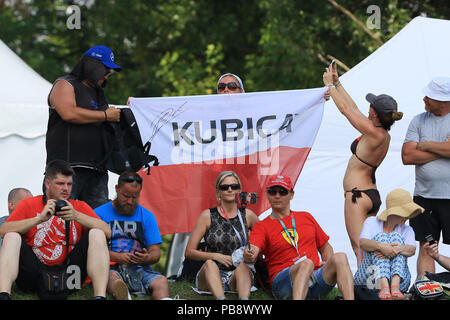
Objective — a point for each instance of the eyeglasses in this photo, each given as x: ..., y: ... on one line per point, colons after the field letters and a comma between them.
x: 282, y: 192
x: 231, y: 85
x: 234, y: 186
x: 130, y: 179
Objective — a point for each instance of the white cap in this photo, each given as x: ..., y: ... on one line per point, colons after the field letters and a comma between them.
x: 438, y: 89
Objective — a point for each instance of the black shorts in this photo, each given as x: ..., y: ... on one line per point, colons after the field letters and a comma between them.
x: 433, y: 220
x: 30, y: 266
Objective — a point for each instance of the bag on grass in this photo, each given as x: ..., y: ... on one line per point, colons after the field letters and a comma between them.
x: 192, y: 267
x: 133, y: 280
x: 52, y: 280
x: 442, y: 277
x: 262, y: 274
x: 52, y: 283
x: 364, y: 293
x: 427, y: 290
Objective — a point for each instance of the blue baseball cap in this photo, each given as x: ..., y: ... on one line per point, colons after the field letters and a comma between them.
x: 105, y: 55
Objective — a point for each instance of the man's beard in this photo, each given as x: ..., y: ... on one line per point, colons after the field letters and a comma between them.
x: 128, y: 210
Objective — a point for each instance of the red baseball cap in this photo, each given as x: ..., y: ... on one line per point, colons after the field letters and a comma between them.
x: 281, y: 181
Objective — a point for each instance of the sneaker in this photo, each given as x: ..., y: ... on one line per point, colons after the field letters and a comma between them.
x: 99, y: 298
x: 5, y: 296
x: 120, y: 290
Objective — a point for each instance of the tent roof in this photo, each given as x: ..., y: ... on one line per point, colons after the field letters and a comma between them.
x: 23, y: 97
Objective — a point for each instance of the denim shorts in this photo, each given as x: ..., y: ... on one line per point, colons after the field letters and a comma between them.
x: 148, y: 275
x: 282, y: 285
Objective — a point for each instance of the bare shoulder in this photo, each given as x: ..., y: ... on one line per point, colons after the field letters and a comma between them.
x: 61, y: 92
x: 377, y: 137
x: 62, y: 84
x: 205, y: 214
x: 204, y: 219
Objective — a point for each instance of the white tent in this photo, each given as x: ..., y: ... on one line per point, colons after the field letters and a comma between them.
x: 23, y: 96
x: 401, y: 68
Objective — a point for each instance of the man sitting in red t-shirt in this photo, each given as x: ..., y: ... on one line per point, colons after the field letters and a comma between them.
x: 291, y: 242
x: 34, y: 237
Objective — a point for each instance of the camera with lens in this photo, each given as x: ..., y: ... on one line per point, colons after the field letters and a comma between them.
x: 59, y: 205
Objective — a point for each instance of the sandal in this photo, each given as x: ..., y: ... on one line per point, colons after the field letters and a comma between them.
x: 385, y: 295
x: 398, y: 295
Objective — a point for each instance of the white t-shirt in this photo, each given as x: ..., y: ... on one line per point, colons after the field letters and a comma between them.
x: 372, y: 226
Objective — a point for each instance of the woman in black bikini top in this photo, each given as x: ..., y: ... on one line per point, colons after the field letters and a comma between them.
x: 361, y: 195
x: 353, y: 150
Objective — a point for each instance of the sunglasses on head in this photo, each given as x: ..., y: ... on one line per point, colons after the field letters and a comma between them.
x: 231, y: 85
x: 234, y: 186
x: 282, y: 192
x: 130, y: 179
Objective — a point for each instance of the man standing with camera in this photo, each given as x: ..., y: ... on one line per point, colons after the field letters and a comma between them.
x: 35, y: 239
x: 427, y: 146
x: 77, y: 129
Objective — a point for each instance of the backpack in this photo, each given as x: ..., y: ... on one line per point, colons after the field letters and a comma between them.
x: 124, y: 144
x: 262, y: 280
x: 442, y: 277
x: 191, y: 267
x: 364, y: 293
x: 132, y: 279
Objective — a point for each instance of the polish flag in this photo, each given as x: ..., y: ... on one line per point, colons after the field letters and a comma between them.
x: 195, y: 138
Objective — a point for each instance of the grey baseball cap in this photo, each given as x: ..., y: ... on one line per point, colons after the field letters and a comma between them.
x: 382, y: 103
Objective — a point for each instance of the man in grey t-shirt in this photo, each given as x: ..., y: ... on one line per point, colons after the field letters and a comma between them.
x: 427, y: 146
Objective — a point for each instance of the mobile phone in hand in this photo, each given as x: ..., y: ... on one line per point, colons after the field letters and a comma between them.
x: 430, y: 239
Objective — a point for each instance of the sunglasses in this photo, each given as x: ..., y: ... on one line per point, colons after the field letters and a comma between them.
x: 231, y: 85
x: 234, y: 186
x: 282, y: 192
x: 130, y: 179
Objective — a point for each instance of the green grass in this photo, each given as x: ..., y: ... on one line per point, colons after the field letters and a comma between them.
x: 181, y: 289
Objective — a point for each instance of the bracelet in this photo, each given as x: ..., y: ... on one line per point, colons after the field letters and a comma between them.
x: 106, y: 116
x: 331, y: 86
x: 338, y: 85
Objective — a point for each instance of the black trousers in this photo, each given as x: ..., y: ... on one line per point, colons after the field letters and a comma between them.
x: 30, y: 266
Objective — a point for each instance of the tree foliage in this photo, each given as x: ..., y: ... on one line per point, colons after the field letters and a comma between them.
x: 180, y: 47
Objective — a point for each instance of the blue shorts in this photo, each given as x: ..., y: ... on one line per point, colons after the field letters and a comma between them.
x: 148, y: 275
x: 282, y: 285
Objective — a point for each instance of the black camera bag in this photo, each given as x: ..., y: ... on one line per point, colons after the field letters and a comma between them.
x: 52, y: 280
x: 52, y: 283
